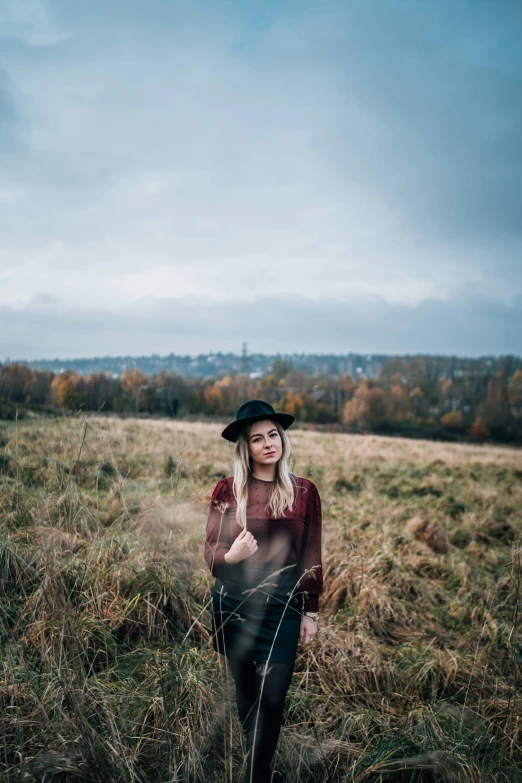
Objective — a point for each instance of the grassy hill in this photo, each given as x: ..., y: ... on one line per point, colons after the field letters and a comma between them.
x: 107, y: 672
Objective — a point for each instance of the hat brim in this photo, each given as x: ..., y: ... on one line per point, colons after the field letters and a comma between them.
x: 232, y: 431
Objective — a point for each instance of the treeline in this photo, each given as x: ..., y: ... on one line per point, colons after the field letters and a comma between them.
x: 408, y: 398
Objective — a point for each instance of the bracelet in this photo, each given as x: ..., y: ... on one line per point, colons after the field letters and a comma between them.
x: 313, y: 615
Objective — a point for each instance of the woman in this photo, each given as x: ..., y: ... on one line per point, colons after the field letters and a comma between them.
x: 263, y: 545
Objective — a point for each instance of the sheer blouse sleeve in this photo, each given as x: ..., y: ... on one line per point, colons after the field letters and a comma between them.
x: 310, y: 555
x: 217, y: 541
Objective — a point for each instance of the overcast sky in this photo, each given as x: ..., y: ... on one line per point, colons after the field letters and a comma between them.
x: 304, y: 176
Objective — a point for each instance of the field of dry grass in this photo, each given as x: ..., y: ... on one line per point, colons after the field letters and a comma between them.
x: 107, y: 671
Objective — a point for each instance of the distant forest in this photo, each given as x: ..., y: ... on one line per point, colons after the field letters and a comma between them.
x: 255, y: 365
x: 426, y: 397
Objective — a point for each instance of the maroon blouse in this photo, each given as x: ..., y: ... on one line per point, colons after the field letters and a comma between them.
x: 295, y: 537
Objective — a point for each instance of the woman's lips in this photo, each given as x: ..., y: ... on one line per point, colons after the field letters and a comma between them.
x: 270, y: 454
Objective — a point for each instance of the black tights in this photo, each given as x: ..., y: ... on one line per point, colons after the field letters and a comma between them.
x: 248, y: 679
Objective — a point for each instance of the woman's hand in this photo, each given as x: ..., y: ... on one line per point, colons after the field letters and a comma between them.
x: 243, y: 546
x: 308, y: 630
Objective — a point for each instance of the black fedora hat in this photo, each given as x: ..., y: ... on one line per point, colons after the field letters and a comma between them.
x: 254, y: 410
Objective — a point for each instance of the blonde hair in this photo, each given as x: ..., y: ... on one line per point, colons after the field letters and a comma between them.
x: 282, y: 496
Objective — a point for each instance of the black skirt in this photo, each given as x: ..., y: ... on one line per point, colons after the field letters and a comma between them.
x: 256, y: 612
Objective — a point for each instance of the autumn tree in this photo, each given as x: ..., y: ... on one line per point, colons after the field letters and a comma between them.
x: 16, y: 382
x: 393, y: 372
x: 294, y: 404
x: 398, y: 404
x: 230, y: 391
x: 444, y: 387
x: 268, y: 387
x: 347, y: 384
x: 479, y: 431
x: 419, y: 405
x: 346, y: 387
x: 367, y: 408
x: 417, y: 374
x: 213, y: 399
x: 64, y: 390
x: 452, y: 421
x: 134, y: 382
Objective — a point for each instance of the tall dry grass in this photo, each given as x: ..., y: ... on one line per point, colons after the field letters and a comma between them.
x: 107, y: 670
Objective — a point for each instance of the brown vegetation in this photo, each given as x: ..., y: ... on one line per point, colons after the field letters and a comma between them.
x: 107, y: 671
x: 409, y: 398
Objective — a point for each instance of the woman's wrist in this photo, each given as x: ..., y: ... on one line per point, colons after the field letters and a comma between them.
x: 313, y: 615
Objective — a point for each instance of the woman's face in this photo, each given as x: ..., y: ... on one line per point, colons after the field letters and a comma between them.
x: 264, y: 442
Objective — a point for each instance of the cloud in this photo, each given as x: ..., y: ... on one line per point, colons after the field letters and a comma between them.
x: 235, y: 152
x: 30, y: 22
x: 49, y: 328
